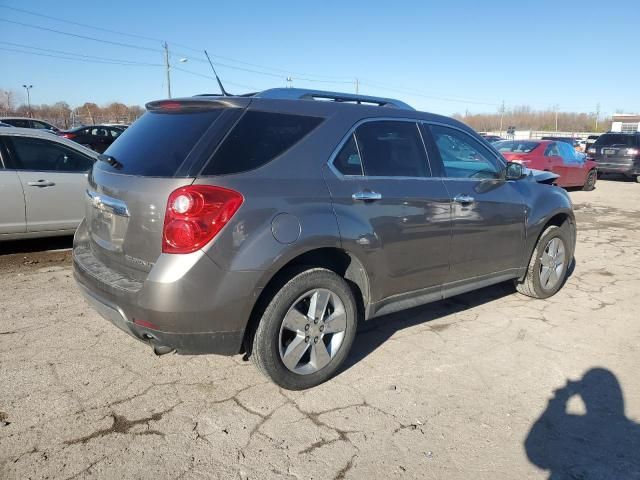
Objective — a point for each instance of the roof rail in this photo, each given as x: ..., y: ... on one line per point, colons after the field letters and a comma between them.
x: 304, y: 94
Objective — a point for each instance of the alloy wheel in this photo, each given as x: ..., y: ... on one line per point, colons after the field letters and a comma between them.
x: 312, y: 331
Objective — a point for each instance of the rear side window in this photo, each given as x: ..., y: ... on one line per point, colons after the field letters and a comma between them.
x: 42, y: 155
x: 610, y: 139
x: 392, y: 149
x: 348, y: 162
x: 515, y: 146
x: 258, y: 138
x: 158, y: 143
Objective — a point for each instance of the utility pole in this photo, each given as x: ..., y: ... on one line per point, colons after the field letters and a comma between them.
x: 357, y: 86
x: 289, y: 82
x: 28, y: 88
x: 166, y: 64
x: 597, y: 115
x: 501, y: 116
x: 555, y: 108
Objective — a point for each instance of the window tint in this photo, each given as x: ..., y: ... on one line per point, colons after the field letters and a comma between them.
x: 392, y: 149
x: 463, y: 156
x: 114, y: 132
x: 158, y: 143
x: 99, y: 132
x: 18, y: 122
x: 41, y: 155
x: 348, y: 160
x: 610, y: 139
x: 258, y: 138
x: 552, y: 150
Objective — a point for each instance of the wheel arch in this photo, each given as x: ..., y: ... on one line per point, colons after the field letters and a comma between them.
x: 338, y: 260
x: 558, y: 219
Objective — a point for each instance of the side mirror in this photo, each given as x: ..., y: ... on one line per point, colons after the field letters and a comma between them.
x: 515, y: 171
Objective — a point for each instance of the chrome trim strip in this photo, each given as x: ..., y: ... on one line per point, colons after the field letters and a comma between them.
x: 108, y: 204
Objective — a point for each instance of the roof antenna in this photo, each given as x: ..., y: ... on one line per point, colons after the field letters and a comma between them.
x: 224, y: 92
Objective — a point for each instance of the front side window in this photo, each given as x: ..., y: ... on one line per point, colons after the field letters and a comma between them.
x: 567, y: 152
x: 392, y: 149
x: 348, y: 161
x: 258, y: 138
x: 41, y: 155
x: 463, y: 156
x: 40, y: 125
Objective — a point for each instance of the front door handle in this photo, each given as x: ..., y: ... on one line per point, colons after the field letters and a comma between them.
x: 41, y: 183
x: 463, y: 199
x: 367, y: 196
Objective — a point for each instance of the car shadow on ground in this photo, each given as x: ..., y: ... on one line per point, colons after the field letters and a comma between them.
x: 375, y: 332
x: 599, y: 442
x: 31, y: 245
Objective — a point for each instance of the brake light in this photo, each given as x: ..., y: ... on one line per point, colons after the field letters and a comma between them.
x: 67, y: 135
x: 194, y: 216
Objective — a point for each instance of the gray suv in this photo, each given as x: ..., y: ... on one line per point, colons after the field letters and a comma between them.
x: 272, y: 223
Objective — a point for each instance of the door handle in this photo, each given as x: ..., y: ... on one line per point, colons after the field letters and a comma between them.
x: 41, y: 183
x: 463, y: 199
x: 367, y: 196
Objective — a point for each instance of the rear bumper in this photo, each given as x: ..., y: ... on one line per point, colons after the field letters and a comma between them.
x: 194, y: 308
x: 628, y: 167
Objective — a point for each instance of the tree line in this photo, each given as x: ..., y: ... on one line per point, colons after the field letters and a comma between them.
x: 525, y: 118
x: 62, y: 115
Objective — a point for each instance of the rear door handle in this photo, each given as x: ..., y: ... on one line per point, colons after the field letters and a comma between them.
x: 367, y: 196
x: 41, y: 183
x: 463, y: 199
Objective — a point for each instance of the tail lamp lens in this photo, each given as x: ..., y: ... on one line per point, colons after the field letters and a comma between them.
x: 195, y: 215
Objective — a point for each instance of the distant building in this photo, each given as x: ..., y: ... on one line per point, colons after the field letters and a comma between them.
x: 625, y: 123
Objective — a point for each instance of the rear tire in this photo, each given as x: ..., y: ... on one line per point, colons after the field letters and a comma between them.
x: 590, y: 182
x: 544, y: 276
x: 310, y: 324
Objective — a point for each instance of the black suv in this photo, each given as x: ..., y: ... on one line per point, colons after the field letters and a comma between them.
x: 617, y: 153
x: 272, y: 223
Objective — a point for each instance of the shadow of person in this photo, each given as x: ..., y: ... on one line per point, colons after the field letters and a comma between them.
x: 600, y: 444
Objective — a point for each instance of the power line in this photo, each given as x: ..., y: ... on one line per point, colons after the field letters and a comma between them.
x: 85, y: 60
x: 106, y: 59
x: 424, y: 95
x: 85, y: 37
x: 199, y: 50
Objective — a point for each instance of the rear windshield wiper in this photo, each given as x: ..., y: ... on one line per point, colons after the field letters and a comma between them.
x: 110, y: 160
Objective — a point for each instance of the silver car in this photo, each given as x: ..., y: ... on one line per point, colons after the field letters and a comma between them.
x: 43, y: 179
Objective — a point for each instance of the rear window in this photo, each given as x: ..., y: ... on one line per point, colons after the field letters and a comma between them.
x: 609, y: 139
x: 258, y: 138
x: 515, y: 146
x: 158, y: 143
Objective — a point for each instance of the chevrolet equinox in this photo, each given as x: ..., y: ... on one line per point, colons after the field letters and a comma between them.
x: 271, y: 223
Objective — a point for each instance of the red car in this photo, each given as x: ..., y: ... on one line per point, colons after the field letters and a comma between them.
x: 557, y: 157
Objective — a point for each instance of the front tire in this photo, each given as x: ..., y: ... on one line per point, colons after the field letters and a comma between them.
x: 307, y: 330
x: 549, y: 263
x: 590, y: 182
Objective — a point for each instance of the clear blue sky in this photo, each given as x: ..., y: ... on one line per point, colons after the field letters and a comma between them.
x: 443, y: 57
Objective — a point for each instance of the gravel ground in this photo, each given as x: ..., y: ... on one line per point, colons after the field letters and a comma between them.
x: 487, y: 385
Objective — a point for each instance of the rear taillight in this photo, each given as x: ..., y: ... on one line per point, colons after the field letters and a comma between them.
x: 67, y: 135
x: 633, y: 151
x: 194, y: 216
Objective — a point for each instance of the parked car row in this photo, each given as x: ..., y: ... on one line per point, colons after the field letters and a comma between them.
x: 555, y: 156
x: 95, y: 137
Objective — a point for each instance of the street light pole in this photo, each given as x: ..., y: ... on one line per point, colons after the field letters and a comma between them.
x: 28, y: 88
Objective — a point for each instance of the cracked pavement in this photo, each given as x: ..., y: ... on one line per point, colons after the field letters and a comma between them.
x: 448, y: 390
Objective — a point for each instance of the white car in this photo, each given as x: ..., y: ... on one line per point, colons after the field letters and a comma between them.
x: 43, y: 179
